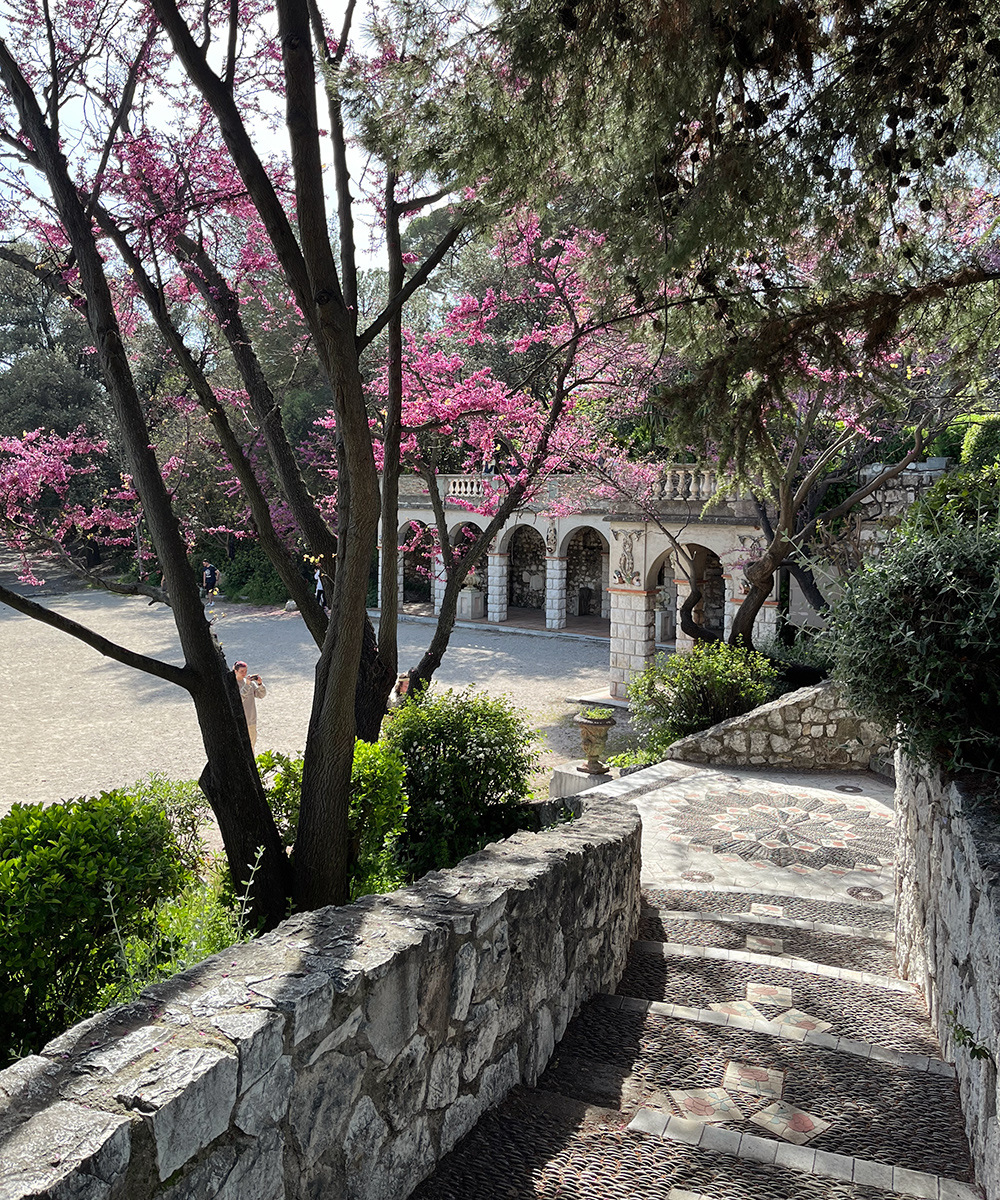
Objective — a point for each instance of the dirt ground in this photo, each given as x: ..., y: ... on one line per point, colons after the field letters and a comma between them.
x: 76, y: 722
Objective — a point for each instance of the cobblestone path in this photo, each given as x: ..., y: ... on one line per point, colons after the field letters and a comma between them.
x: 760, y: 1045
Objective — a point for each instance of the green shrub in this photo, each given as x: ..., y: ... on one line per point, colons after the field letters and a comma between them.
x: 966, y: 497
x: 281, y: 777
x: 981, y: 446
x: 811, y: 648
x: 57, y: 865
x: 375, y: 821
x: 186, y: 808
x: 185, y: 930
x: 915, y: 641
x: 251, y: 574
x: 378, y: 815
x: 685, y: 693
x: 468, y: 763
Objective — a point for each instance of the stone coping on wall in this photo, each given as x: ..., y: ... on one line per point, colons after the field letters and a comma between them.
x: 344, y: 1053
x: 948, y: 938
x: 811, y: 728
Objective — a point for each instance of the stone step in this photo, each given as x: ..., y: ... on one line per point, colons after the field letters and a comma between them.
x: 542, y: 1145
x: 882, y: 1010
x: 874, y: 917
x: 879, y: 1108
x: 835, y: 945
x: 820, y: 1164
x: 783, y: 1029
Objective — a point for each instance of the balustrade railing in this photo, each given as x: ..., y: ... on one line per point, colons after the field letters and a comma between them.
x: 680, y: 482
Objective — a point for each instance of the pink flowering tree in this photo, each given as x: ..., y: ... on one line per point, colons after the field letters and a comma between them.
x: 160, y: 203
x: 495, y: 390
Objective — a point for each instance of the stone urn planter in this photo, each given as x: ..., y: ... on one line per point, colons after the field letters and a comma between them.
x: 594, y: 728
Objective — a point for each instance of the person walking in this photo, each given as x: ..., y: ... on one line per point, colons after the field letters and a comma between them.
x: 209, y: 578
x: 252, y: 689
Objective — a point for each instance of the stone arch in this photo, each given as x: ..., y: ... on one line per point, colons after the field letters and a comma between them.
x: 710, y: 611
x: 417, y: 562
x: 469, y: 530
x: 586, y: 552
x: 463, y: 528
x: 662, y: 578
x: 526, y: 568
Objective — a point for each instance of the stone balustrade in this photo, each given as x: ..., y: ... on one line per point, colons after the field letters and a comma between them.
x: 343, y: 1054
x: 948, y: 938
x: 679, y: 482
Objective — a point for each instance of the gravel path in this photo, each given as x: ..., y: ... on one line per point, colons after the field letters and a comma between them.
x: 77, y: 722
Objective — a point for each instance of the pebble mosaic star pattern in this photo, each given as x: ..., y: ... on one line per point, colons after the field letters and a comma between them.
x: 803, y: 832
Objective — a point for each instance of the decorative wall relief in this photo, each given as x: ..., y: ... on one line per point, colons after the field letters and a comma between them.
x: 626, y: 574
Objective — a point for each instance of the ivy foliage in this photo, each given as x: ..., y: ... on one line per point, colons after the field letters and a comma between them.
x: 468, y: 764
x: 62, y: 868
x: 914, y: 631
x: 681, y: 694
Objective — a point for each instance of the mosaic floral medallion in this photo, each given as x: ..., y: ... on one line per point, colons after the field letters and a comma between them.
x: 790, y: 1123
x: 761, y: 1081
x: 800, y: 1020
x: 739, y: 1008
x: 869, y: 895
x: 706, y: 1104
x: 769, y: 993
x: 765, y: 945
x: 797, y: 830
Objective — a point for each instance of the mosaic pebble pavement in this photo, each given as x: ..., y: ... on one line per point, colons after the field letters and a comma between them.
x: 760, y: 1045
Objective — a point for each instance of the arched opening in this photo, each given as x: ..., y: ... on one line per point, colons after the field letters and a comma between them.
x: 462, y: 536
x: 526, y: 569
x: 586, y: 573
x: 416, y: 541
x: 710, y: 610
x: 665, y: 618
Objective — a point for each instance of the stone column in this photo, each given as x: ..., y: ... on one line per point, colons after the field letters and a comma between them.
x: 733, y: 598
x: 555, y: 593
x: 632, y: 642
x: 400, y: 567
x: 496, y: 579
x: 605, y: 580
x: 682, y: 642
x: 438, y: 581
x: 766, y: 625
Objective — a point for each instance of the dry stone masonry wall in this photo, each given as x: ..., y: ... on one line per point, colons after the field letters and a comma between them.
x: 343, y: 1054
x: 810, y: 728
x: 948, y: 938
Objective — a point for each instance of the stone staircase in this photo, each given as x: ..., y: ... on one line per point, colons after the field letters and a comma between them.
x: 760, y: 1047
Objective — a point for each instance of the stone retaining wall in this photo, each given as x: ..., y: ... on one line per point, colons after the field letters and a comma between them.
x: 809, y: 728
x: 343, y: 1054
x: 948, y: 937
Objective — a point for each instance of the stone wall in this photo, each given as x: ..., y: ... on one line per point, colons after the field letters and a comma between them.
x: 585, y: 557
x: 809, y: 728
x: 948, y: 937
x: 343, y: 1054
x: 526, y: 568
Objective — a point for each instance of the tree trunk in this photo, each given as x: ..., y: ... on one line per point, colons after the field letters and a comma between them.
x: 421, y: 674
x: 760, y: 575
x: 375, y: 680
x: 688, y: 623
x: 239, y: 799
x: 804, y: 577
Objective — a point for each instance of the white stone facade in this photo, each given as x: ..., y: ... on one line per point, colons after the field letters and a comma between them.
x: 638, y: 561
